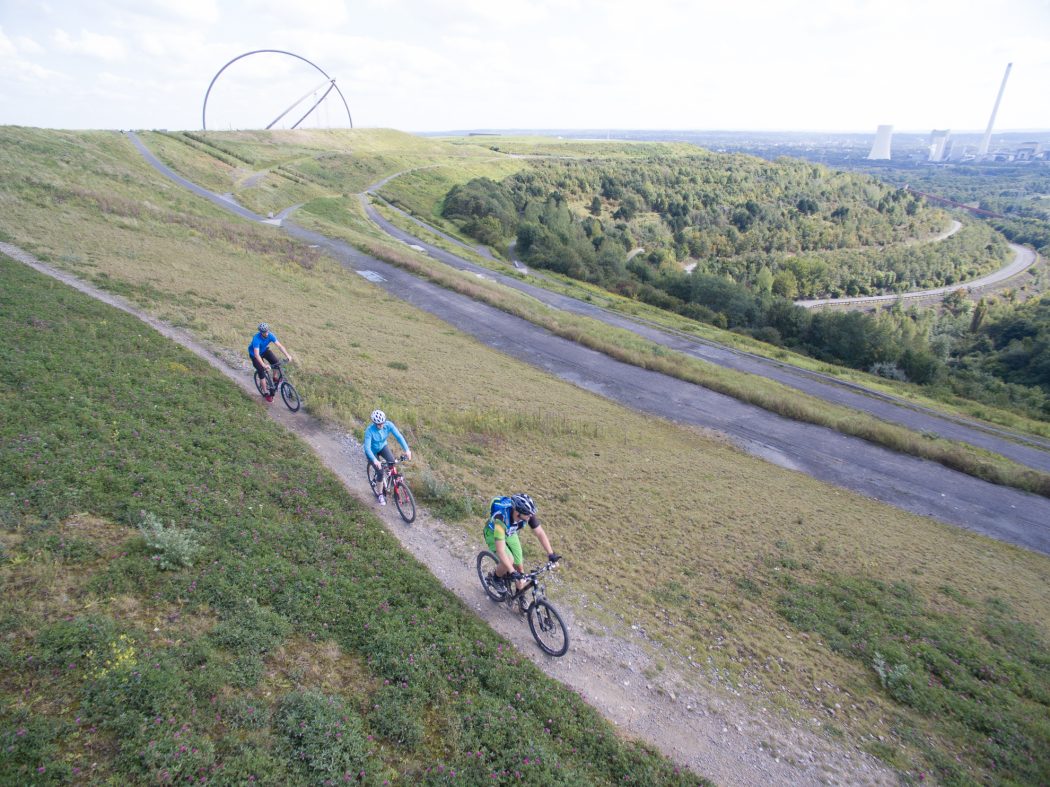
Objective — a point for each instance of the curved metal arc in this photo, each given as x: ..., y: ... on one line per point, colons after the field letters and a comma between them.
x: 204, y: 109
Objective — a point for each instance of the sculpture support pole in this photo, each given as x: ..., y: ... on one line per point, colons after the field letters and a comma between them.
x: 204, y: 108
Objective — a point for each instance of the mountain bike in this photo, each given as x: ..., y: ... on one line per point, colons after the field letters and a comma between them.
x: 546, y: 624
x: 279, y: 382
x: 396, y: 487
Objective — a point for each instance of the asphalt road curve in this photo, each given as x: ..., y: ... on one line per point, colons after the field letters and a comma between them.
x: 1024, y: 449
x: 915, y: 485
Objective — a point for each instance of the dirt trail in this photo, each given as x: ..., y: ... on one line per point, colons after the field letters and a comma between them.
x: 697, y: 724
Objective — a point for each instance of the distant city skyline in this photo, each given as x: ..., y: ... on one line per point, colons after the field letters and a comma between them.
x: 432, y: 65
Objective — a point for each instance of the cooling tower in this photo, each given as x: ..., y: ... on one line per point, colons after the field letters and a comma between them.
x: 982, y: 149
x: 881, y: 148
x: 938, y: 141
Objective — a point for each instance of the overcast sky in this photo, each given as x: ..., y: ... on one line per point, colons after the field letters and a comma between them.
x: 428, y: 65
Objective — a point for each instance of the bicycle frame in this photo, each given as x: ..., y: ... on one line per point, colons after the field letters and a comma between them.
x: 391, y: 472
x: 534, y: 584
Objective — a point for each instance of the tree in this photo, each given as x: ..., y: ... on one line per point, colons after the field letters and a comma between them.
x: 979, y: 313
x: 764, y: 281
x: 596, y: 206
x: 785, y: 284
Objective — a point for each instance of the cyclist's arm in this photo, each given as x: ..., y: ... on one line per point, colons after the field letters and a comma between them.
x: 369, y: 453
x: 544, y: 541
x: 258, y: 356
x: 401, y: 440
x: 287, y: 354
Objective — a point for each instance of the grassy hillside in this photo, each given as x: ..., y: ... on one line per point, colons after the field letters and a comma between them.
x: 289, y: 641
x: 421, y: 190
x: 778, y: 587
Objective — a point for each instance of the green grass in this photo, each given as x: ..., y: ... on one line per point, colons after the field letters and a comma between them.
x: 120, y: 671
x: 987, y: 689
x: 621, y: 493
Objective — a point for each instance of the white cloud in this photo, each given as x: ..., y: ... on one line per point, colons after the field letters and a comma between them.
x: 103, y: 47
x: 28, y: 46
x: 302, y: 14
x: 7, y: 46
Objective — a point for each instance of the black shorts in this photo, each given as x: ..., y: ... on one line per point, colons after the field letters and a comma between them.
x: 268, y: 355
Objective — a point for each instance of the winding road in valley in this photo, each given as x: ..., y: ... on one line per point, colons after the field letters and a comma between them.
x: 1025, y: 449
x: 919, y: 486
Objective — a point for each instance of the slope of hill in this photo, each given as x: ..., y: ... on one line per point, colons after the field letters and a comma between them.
x: 763, y: 555
x: 180, y: 605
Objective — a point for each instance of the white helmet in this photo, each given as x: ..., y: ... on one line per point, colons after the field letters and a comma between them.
x: 378, y: 417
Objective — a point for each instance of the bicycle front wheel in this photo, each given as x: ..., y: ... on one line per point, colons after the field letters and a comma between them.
x: 487, y: 563
x: 548, y: 629
x: 290, y: 396
x: 406, y: 504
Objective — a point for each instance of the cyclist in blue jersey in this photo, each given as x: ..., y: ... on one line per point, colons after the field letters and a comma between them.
x: 508, y: 515
x: 262, y: 356
x: 376, y: 448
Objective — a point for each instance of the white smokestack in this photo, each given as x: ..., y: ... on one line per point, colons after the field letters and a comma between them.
x: 982, y: 149
x: 881, y: 148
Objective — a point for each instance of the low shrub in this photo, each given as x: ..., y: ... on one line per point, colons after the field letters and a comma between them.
x: 172, y: 547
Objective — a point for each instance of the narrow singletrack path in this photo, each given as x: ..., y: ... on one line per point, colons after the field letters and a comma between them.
x: 698, y: 725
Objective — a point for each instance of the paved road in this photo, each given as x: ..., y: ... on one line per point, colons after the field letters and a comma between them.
x: 915, y: 485
x: 1027, y: 450
x: 1024, y: 258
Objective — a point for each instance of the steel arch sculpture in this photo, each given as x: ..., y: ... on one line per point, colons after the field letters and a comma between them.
x: 331, y: 87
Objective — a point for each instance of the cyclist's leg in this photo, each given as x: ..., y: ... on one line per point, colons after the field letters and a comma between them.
x: 259, y: 368
x: 387, y: 457
x: 513, y: 545
x: 271, y: 358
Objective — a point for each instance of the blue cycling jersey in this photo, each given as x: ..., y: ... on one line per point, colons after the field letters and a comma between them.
x: 261, y: 342
x: 375, y: 439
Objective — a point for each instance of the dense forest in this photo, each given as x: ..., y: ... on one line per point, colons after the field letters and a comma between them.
x: 754, y: 236
x: 814, y: 231
x: 1019, y: 192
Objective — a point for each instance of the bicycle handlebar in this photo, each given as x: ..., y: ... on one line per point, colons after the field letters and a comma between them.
x: 549, y: 565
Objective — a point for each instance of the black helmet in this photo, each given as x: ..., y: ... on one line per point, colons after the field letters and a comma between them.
x: 523, y: 504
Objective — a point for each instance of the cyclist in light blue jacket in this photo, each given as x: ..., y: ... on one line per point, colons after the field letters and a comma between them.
x: 376, y: 448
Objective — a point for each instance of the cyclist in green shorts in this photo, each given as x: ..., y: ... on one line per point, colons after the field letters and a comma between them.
x: 508, y: 515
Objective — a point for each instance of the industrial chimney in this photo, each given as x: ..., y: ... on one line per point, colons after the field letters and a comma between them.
x: 982, y: 149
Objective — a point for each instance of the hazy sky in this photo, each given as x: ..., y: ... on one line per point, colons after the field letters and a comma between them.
x: 423, y: 65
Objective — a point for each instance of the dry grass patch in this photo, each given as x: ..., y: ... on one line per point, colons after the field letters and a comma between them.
x: 302, y: 664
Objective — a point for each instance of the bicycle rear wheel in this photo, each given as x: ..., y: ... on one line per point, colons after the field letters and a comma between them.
x: 406, y: 504
x: 290, y: 396
x: 548, y: 629
x: 487, y: 563
x: 261, y: 384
